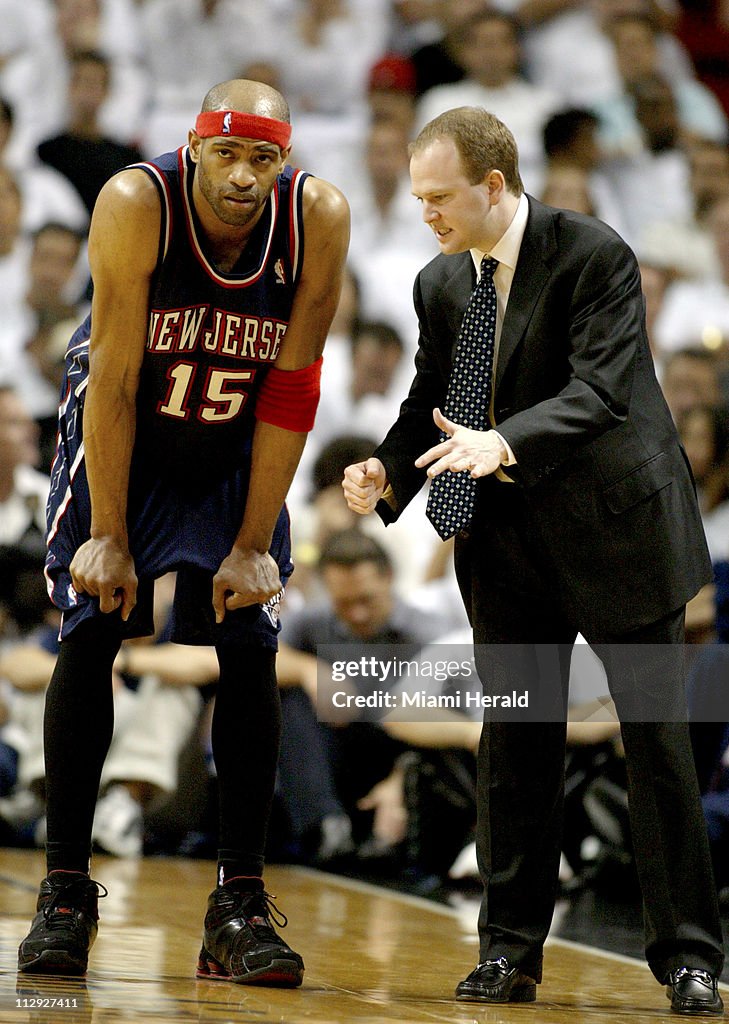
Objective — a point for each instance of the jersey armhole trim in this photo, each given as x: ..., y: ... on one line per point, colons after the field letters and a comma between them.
x: 163, y: 188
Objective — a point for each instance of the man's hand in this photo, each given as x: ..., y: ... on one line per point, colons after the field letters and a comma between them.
x: 245, y: 577
x: 104, y: 568
x: 387, y: 800
x: 363, y: 485
x: 479, y: 452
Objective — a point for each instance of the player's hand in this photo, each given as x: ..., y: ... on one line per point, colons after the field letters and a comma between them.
x: 478, y: 452
x: 103, y: 568
x: 244, y: 578
x: 363, y: 485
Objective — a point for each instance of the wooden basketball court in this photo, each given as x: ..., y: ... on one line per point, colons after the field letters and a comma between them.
x: 371, y: 955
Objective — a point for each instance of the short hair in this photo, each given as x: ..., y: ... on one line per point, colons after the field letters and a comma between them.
x: 560, y: 130
x: 333, y: 459
x: 462, y: 32
x: 484, y: 144
x: 696, y: 353
x: 631, y: 17
x: 89, y: 56
x: 718, y: 417
x: 6, y: 111
x: 349, y: 548
x: 385, y: 334
x: 58, y: 225
x: 12, y: 180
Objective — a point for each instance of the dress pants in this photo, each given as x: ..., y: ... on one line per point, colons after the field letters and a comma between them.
x: 512, y: 596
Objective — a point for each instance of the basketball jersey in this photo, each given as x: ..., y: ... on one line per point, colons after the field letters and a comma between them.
x: 212, y: 336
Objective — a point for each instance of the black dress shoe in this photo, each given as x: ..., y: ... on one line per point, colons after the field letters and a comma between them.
x: 693, y: 991
x: 494, y: 981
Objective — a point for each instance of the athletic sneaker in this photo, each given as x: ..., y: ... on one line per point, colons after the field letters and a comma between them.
x: 65, y: 926
x: 239, y: 942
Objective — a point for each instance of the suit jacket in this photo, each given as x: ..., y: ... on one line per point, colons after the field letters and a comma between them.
x: 577, y: 399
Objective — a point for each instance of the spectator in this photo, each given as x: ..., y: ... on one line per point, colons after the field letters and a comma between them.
x: 436, y: 62
x: 26, y: 37
x: 361, y: 401
x: 704, y: 432
x: 110, y: 28
x: 23, y: 494
x: 325, y: 512
x: 698, y: 310
x: 325, y: 771
x: 391, y: 91
x: 653, y: 184
x: 569, y: 52
x: 570, y: 141
x: 487, y: 46
x: 637, y: 56
x: 325, y: 49
x: 336, y: 369
x: 384, y: 214
x: 684, y: 246
x: 655, y: 279
x: 82, y: 152
x: 691, y: 377
x: 156, y: 705
x: 14, y: 246
x: 213, y: 39
x: 53, y: 294
x: 46, y: 194
x: 569, y: 189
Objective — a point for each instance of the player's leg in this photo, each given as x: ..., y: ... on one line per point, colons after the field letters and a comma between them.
x: 78, y: 725
x: 239, y: 940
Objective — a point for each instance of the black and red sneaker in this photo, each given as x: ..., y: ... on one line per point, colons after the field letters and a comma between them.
x: 239, y: 942
x: 64, y: 927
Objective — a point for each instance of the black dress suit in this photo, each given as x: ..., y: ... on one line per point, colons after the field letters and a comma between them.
x: 599, y: 533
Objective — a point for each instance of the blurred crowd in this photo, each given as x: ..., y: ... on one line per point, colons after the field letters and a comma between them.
x: 620, y: 109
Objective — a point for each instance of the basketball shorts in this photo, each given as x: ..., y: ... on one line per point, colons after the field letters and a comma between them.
x: 171, y: 529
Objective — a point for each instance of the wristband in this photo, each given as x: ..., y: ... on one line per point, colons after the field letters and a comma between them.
x: 289, y: 398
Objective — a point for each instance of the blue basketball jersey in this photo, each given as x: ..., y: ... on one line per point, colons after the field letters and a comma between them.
x: 211, y: 339
x: 212, y: 336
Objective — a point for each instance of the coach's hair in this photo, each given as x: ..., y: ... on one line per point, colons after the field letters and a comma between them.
x: 483, y: 142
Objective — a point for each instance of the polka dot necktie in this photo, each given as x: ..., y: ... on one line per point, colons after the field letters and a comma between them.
x: 452, y: 495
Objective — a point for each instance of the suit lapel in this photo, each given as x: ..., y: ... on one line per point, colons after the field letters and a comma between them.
x: 460, y: 286
x: 532, y: 273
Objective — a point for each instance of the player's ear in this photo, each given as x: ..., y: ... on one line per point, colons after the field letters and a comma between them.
x: 285, y: 156
x: 194, y: 142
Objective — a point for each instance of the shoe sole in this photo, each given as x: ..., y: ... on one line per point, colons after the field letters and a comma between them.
x: 697, y: 1011
x: 54, y: 961
x: 279, y: 973
x: 524, y: 994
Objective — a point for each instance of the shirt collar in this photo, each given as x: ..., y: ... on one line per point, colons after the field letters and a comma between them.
x: 507, y: 248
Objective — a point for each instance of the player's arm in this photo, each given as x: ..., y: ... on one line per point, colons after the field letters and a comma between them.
x: 249, y: 575
x: 123, y: 250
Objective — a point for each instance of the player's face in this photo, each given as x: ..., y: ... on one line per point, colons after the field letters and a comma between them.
x: 460, y: 214
x: 235, y: 176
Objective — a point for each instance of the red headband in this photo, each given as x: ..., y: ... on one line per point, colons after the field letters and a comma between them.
x: 245, y: 126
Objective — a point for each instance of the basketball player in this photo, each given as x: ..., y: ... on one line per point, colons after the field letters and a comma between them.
x: 187, y: 399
